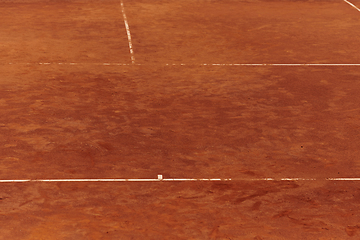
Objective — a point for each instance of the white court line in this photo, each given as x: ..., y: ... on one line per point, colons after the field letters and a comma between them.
x: 352, y: 5
x: 73, y: 63
x: 161, y: 179
x: 268, y: 64
x: 127, y: 32
x: 200, y: 64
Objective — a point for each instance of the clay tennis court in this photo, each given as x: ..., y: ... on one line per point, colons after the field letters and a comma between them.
x: 186, y: 119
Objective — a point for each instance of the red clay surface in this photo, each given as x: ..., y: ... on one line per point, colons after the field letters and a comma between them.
x: 62, y: 121
x: 193, y: 31
x: 62, y: 32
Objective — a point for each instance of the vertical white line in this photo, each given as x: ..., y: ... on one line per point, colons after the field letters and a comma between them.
x: 352, y: 5
x: 127, y: 32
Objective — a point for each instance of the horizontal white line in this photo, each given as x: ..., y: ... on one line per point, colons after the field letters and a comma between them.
x: 267, y: 64
x: 71, y: 63
x: 161, y: 179
x: 299, y: 179
x: 194, y: 179
x: 200, y: 64
x: 343, y: 179
x: 113, y: 180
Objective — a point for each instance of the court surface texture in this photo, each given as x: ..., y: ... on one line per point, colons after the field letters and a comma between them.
x: 164, y: 119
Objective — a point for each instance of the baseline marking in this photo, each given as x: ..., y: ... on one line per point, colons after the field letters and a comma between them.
x: 352, y: 5
x: 200, y: 64
x: 127, y: 32
x: 268, y: 64
x: 161, y: 179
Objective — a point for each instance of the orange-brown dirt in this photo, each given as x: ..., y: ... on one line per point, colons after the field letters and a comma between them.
x: 72, y: 118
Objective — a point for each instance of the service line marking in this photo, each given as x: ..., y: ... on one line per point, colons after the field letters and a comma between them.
x: 127, y: 32
x: 161, y: 179
x: 352, y: 5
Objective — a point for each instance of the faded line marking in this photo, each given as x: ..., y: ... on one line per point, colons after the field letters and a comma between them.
x: 127, y: 32
x: 352, y: 5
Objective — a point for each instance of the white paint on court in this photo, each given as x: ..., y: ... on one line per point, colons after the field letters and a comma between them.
x: 270, y: 64
x: 161, y: 179
x: 204, y: 64
x: 201, y: 64
x: 352, y: 5
x: 127, y: 32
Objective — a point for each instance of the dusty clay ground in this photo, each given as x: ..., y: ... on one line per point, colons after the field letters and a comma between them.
x: 74, y: 117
